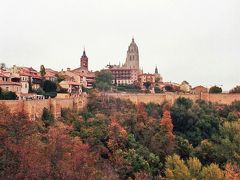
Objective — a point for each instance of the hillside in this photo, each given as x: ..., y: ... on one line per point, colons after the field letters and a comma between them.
x: 116, y: 139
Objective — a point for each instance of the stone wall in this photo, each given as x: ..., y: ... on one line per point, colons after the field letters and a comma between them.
x: 171, y: 97
x: 34, y: 108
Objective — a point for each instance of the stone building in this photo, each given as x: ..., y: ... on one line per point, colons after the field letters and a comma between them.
x: 7, y: 85
x: 123, y: 76
x: 132, y: 60
x: 84, y: 61
x: 146, y: 77
x: 80, y: 75
x: 127, y: 73
x: 185, y: 87
x: 199, y: 89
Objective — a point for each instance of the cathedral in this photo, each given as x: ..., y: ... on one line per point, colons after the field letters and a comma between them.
x: 132, y: 60
x: 130, y: 72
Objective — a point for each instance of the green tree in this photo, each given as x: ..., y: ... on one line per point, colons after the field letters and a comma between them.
x: 50, y: 88
x: 215, y: 90
x: 235, y: 90
x: 169, y: 88
x: 157, y: 90
x: 7, y: 95
x: 42, y: 70
x: 228, y: 147
x: 147, y: 85
x: 103, y: 80
x: 47, y: 117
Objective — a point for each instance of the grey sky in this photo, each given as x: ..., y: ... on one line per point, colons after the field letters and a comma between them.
x: 193, y: 40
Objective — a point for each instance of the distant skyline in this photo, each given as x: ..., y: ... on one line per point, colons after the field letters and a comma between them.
x: 196, y: 41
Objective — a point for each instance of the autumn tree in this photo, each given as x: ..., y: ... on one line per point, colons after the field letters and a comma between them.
x: 166, y: 123
x: 163, y: 142
x: 232, y: 171
x: 176, y: 168
x: 117, y: 135
x: 21, y: 151
x: 69, y: 158
x: 212, y: 172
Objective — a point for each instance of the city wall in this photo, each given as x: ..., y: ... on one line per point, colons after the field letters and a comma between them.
x: 160, y: 98
x: 34, y: 108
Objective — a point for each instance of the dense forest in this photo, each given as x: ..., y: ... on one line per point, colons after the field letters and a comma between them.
x: 116, y: 139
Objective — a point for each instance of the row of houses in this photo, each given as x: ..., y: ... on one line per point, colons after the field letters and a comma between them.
x: 25, y: 80
x: 19, y: 79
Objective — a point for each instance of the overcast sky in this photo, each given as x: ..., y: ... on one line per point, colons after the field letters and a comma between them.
x: 193, y: 40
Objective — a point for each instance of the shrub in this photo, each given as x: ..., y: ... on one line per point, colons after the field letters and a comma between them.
x: 47, y: 117
x: 215, y: 90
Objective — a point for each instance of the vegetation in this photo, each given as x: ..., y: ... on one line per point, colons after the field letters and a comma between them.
x: 157, y: 90
x: 129, y: 88
x: 235, y: 90
x: 7, y: 95
x: 103, y: 80
x: 42, y: 71
x: 215, y: 90
x: 48, y: 89
x: 47, y: 117
x: 116, y: 139
x: 147, y: 85
x: 169, y: 88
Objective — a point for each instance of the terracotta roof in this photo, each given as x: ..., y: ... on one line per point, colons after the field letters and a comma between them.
x: 51, y: 70
x: 49, y: 74
x: 85, y: 74
x: 3, y: 75
x: 71, y: 83
x: 200, y: 86
x: 24, y: 74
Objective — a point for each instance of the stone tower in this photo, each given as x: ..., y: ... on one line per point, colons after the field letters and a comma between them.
x: 132, y: 60
x: 84, y: 61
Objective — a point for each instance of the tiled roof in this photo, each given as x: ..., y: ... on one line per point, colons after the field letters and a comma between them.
x: 71, y: 83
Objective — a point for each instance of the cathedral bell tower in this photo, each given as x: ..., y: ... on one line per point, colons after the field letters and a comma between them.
x: 132, y: 60
x: 84, y: 61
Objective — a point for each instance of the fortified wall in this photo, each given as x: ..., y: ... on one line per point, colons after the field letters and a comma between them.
x: 160, y: 98
x: 34, y: 108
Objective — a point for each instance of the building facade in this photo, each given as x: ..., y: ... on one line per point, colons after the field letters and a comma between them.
x: 132, y: 59
x: 84, y: 61
x: 127, y: 73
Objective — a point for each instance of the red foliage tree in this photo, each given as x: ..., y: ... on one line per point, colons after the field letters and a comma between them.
x: 21, y: 151
x: 69, y: 158
x: 117, y: 135
x: 166, y: 123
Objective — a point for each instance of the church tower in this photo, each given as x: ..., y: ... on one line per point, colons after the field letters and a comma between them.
x: 132, y: 60
x: 84, y: 61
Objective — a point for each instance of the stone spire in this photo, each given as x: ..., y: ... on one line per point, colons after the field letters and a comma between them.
x: 132, y: 60
x: 84, y: 60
